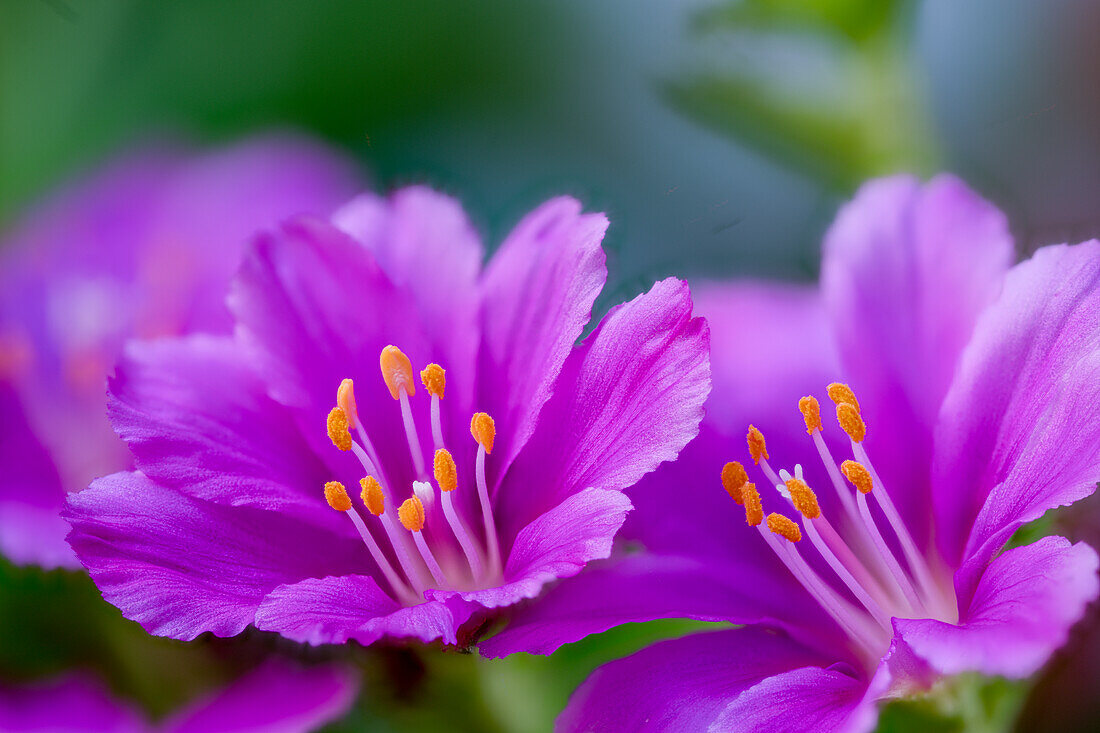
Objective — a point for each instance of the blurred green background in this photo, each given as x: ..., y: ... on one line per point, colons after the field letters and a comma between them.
x: 719, y: 136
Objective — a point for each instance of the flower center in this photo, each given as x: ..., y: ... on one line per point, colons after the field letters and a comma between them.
x: 864, y: 567
x: 417, y: 566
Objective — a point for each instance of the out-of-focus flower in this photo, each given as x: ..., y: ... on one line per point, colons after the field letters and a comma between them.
x: 530, y: 438
x: 972, y: 409
x: 275, y: 696
x: 143, y: 248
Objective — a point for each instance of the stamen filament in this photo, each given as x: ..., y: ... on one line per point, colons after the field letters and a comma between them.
x: 469, y: 548
x: 838, y: 567
x: 842, y: 492
x: 429, y: 559
x: 437, y: 423
x: 493, y: 544
x: 403, y: 592
x: 415, y: 449
x: 888, y: 556
x: 398, y: 538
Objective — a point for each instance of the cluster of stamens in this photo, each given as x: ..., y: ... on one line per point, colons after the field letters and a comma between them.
x: 417, y: 566
x: 868, y: 570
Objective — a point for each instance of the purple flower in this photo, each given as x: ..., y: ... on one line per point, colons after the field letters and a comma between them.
x: 972, y: 409
x: 504, y: 471
x: 275, y: 696
x: 142, y: 248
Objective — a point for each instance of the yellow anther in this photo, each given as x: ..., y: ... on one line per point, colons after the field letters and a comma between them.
x: 411, y: 514
x: 757, y: 447
x: 811, y: 413
x: 434, y: 379
x: 733, y: 478
x: 397, y: 371
x: 840, y: 393
x: 446, y: 473
x: 784, y: 527
x: 851, y: 422
x: 858, y: 475
x: 484, y: 430
x: 754, y: 509
x: 337, y: 497
x: 372, y: 495
x: 345, y: 400
x: 803, y: 498
x: 338, y: 429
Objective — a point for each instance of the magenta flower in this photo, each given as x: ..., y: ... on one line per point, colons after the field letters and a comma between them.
x: 143, y: 248
x: 275, y: 696
x: 245, y: 446
x: 874, y: 566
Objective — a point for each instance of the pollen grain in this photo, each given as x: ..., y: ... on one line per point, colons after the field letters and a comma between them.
x: 337, y: 497
x: 446, y: 473
x: 372, y: 495
x: 803, y: 498
x: 484, y: 430
x: 411, y: 514
x: 338, y: 429
x: 784, y: 527
x: 435, y: 379
x: 811, y: 413
x: 757, y: 447
x: 733, y: 478
x: 851, y: 422
x: 858, y: 475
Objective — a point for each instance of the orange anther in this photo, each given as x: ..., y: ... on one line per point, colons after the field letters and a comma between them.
x: 858, y: 475
x: 337, y: 497
x: 733, y: 478
x: 784, y: 527
x: 338, y: 429
x: 851, y: 422
x: 754, y: 509
x: 811, y: 413
x: 397, y: 371
x: 484, y: 430
x: 757, y: 448
x: 345, y: 400
x: 840, y: 393
x: 372, y: 495
x: 434, y: 379
x: 411, y: 514
x: 803, y: 498
x: 446, y: 473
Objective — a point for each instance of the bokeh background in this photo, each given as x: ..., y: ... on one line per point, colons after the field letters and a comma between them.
x: 719, y: 135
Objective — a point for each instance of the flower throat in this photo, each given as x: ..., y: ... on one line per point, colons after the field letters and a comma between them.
x: 860, y: 559
x: 417, y: 566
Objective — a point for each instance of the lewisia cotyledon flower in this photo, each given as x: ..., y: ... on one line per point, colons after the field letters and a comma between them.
x: 395, y: 438
x: 966, y: 403
x: 143, y: 248
x: 275, y: 696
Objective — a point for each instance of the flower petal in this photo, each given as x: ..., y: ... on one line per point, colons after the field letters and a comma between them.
x: 180, y: 566
x: 31, y: 495
x: 75, y: 704
x: 556, y: 545
x: 629, y: 398
x: 335, y: 609
x: 425, y: 243
x: 682, y: 684
x: 907, y: 269
x: 276, y: 696
x: 1021, y: 612
x: 1019, y: 432
x: 200, y: 421
x: 538, y: 292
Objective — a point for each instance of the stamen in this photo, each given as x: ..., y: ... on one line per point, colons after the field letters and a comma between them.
x: 435, y: 381
x: 887, y: 555
x: 803, y: 498
x: 757, y: 448
x: 857, y: 589
x: 411, y: 513
x: 754, y: 509
x: 372, y: 495
x: 811, y: 413
x: 337, y: 426
x: 734, y: 477
x: 858, y: 475
x: 397, y: 371
x: 484, y: 430
x: 337, y: 497
x: 345, y: 400
x: 446, y: 475
x: 784, y: 527
x: 841, y: 393
x: 851, y: 422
